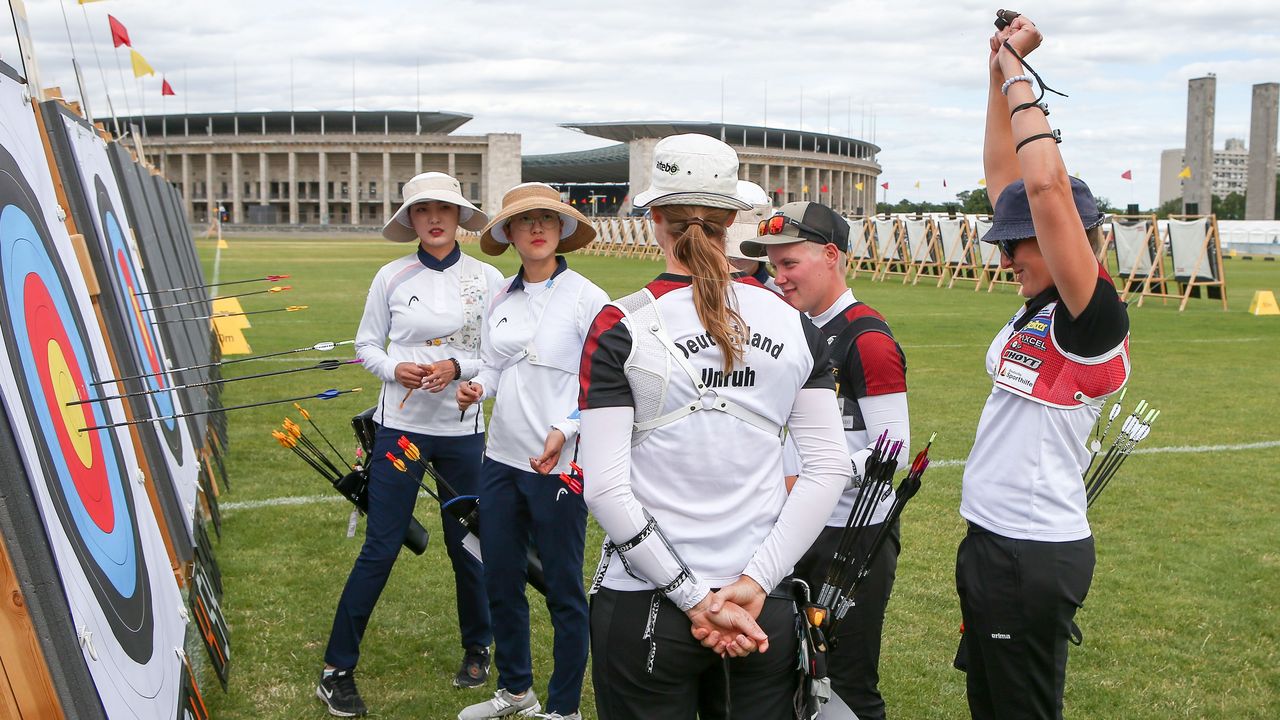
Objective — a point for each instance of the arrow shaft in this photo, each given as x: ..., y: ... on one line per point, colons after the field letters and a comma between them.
x: 221, y: 315
x: 328, y: 395
x: 327, y: 365
x: 222, y: 363
x: 268, y: 278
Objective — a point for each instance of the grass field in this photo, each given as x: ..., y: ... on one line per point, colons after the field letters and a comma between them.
x: 1181, y: 622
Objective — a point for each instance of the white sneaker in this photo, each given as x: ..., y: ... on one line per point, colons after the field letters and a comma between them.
x: 503, y: 704
x: 558, y: 716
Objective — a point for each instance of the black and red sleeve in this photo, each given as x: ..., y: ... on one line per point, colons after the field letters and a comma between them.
x: 602, y: 376
x: 875, y: 366
x: 821, y: 377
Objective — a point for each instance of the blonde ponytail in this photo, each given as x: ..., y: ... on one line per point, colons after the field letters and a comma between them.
x: 698, y: 245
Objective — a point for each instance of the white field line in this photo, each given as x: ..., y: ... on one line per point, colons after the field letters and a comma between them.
x: 1180, y: 449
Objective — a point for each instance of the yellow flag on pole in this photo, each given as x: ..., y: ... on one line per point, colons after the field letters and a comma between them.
x: 140, y: 65
x: 917, y: 184
x: 857, y: 186
x: 804, y: 189
x: 982, y: 182
x: 1186, y: 173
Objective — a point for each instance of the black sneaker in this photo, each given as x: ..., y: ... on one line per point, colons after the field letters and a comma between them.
x: 475, y: 669
x: 337, y: 689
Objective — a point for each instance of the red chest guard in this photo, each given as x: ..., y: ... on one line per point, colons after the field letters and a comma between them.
x: 1029, y: 363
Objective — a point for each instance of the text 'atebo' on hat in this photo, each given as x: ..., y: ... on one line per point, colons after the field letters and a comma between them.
x: 1012, y: 217
x: 797, y: 221
x: 575, y: 230
x: 423, y: 188
x: 693, y: 169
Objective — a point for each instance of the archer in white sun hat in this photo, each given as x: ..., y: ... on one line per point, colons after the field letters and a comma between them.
x: 745, y: 226
x: 693, y: 169
x: 432, y: 186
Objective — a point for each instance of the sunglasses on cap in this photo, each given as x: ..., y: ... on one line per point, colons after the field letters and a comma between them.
x: 775, y: 225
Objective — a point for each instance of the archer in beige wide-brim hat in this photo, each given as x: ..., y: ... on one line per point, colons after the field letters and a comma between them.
x: 431, y: 186
x: 575, y: 230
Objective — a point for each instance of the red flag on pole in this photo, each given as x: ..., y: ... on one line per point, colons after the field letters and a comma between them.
x: 166, y: 88
x: 944, y: 182
x: 884, y: 185
x: 824, y: 188
x: 119, y: 35
x: 1126, y: 175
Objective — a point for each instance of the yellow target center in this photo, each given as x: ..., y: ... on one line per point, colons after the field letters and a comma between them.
x: 73, y: 416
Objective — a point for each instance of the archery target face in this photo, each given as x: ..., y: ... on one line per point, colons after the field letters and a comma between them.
x: 102, y: 193
x: 105, y: 540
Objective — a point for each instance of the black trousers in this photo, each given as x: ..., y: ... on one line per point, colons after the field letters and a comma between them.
x: 686, y: 680
x: 1018, y: 599
x: 853, y: 664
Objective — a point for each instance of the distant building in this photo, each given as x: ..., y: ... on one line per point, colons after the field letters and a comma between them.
x: 320, y: 167
x: 790, y: 165
x: 1230, y: 171
x: 343, y: 168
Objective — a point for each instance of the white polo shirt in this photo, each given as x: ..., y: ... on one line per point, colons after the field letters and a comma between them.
x: 412, y: 301
x: 544, y: 325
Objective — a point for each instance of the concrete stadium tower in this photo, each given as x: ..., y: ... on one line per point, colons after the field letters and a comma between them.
x: 1201, y: 93
x: 1260, y: 201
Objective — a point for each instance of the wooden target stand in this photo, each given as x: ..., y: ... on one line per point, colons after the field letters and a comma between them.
x: 1132, y: 275
x: 1209, y: 252
x: 862, y: 251
x: 26, y: 689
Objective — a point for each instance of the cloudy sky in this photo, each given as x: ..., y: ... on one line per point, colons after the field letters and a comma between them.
x: 911, y: 76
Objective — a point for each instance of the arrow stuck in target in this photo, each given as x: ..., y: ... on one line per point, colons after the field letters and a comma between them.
x: 325, y: 346
x: 322, y: 365
x: 326, y: 395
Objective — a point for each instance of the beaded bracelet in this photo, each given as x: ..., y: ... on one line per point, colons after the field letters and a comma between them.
x: 1004, y: 89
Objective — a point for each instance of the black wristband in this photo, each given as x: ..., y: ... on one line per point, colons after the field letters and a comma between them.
x: 457, y: 368
x: 1044, y: 107
x: 1056, y: 136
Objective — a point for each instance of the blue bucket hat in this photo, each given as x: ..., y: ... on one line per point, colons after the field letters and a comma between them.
x: 1013, y: 212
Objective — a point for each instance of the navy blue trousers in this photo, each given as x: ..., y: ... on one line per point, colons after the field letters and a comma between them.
x: 517, y: 506
x: 392, y: 495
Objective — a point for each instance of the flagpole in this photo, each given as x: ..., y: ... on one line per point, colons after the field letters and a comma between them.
x: 124, y: 86
x: 106, y: 89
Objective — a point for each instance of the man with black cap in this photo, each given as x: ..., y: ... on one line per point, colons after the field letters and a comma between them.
x: 1026, y: 563
x: 807, y: 244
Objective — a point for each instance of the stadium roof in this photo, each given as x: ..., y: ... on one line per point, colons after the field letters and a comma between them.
x: 740, y: 135
x: 302, y: 121
x: 607, y: 164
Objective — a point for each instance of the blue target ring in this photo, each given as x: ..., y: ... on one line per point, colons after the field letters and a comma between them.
x: 84, y: 473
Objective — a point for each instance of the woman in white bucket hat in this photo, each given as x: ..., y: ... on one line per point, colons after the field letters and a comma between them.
x: 686, y: 386
x: 745, y: 227
x: 419, y: 335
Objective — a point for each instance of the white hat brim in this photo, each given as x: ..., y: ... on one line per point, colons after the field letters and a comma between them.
x: 654, y: 198
x: 400, y: 229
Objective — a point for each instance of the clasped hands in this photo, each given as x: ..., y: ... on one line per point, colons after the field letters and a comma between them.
x: 433, y: 377
x: 725, y: 620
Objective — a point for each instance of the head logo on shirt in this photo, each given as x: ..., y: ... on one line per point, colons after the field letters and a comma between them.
x: 411, y: 299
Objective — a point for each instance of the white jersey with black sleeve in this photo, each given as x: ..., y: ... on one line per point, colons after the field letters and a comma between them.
x: 423, y: 310
x: 710, y: 479
x: 1050, y: 373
